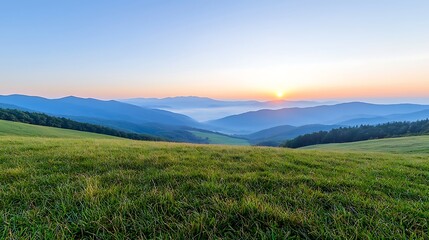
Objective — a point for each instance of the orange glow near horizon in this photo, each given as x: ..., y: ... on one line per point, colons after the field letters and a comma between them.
x: 403, y: 85
x: 402, y: 77
x: 280, y: 94
x: 311, y: 93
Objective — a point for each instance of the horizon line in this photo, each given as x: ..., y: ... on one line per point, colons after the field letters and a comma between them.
x: 375, y: 100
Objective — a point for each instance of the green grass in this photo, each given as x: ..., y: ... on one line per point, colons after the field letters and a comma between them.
x: 417, y: 145
x: 64, y: 188
x: 221, y: 139
x: 8, y: 128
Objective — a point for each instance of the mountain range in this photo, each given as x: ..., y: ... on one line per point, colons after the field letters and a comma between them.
x: 420, y: 115
x: 267, y: 126
x: 94, y: 108
x: 205, y: 109
x: 325, y: 114
x: 183, y: 102
x: 111, y: 113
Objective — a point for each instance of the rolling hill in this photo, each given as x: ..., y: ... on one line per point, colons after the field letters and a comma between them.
x: 94, y: 108
x: 42, y: 119
x: 172, y: 133
x: 415, y: 145
x: 176, y: 127
x: 277, y: 135
x: 113, y: 114
x: 360, y: 133
x: 8, y: 128
x: 328, y: 114
x: 414, y: 116
x: 217, y: 138
x: 60, y: 187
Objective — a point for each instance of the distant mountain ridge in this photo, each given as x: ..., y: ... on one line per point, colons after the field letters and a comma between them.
x: 114, y: 114
x: 325, y: 114
x: 89, y: 107
x: 184, y: 102
x: 263, y: 125
x: 414, y: 116
x: 205, y: 109
x: 205, y: 102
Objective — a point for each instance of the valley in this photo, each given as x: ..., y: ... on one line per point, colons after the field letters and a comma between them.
x: 268, y: 127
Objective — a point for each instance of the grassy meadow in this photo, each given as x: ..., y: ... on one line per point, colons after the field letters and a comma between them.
x: 221, y: 139
x: 8, y: 128
x: 405, y: 145
x: 56, y: 187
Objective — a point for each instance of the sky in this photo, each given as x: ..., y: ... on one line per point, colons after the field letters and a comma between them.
x: 240, y: 49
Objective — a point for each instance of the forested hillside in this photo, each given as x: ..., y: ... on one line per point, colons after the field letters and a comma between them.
x: 46, y: 120
x: 360, y: 133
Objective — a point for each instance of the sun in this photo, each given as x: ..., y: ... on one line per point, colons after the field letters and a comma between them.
x: 280, y: 93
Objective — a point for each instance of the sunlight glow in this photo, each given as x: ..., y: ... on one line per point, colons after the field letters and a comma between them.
x: 280, y: 93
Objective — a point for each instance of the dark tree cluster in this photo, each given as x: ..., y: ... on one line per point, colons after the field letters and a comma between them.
x: 360, y: 133
x: 60, y: 122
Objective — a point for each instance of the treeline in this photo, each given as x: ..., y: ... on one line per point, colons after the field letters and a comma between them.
x: 60, y: 122
x: 360, y: 133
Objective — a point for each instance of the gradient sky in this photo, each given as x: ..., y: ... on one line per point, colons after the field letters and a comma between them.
x: 231, y: 49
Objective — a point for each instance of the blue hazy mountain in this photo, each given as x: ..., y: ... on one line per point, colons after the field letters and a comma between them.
x: 326, y: 114
x: 185, y: 102
x: 11, y: 106
x: 277, y: 125
x: 170, y: 132
x: 410, y: 117
x: 94, y: 108
x: 204, y: 102
x: 113, y: 114
x: 204, y: 109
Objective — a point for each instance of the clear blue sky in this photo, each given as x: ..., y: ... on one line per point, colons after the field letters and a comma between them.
x: 219, y: 48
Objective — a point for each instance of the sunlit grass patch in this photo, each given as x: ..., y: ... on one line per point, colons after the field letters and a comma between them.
x: 110, y: 188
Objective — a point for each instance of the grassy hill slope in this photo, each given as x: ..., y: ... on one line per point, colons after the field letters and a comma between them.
x: 277, y: 135
x: 418, y: 144
x: 113, y: 188
x: 214, y: 138
x: 8, y: 128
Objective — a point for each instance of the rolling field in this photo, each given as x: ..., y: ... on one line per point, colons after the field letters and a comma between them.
x: 66, y: 187
x: 8, y: 128
x: 406, y: 145
x: 221, y: 139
